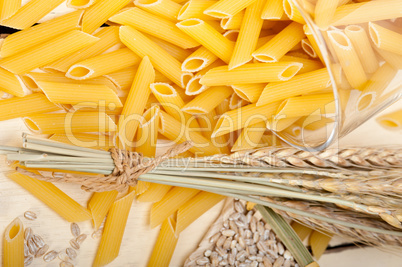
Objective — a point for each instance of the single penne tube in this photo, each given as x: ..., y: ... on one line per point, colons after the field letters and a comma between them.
x: 308, y: 48
x: 103, y: 64
x: 79, y: 4
x: 385, y: 39
x: 194, y: 87
x: 356, y: 13
x: 155, y: 26
x: 141, y: 187
x: 194, y: 9
x: 391, y: 58
x: 47, y: 52
x: 280, y: 124
x: 391, y: 121
x: 17, y: 107
x: 99, y: 205
x: 251, y: 73
x: 9, y: 8
x: 94, y: 141
x: 233, y: 22
x: 175, y: 51
x: 300, y: 84
x: 208, y: 100
x: 13, y: 244
x: 148, y: 132
x: 154, y: 193
x: 312, y: 122
x: 100, y: 12
x: 108, y: 37
x: 194, y: 208
x: 313, y: 41
x: 198, y: 60
x: 16, y: 42
x: 308, y: 64
x: 292, y: 12
x: 248, y: 36
x: 67, y: 123
x: 178, y: 132
x: 135, y: 103
x: 88, y: 95
x: 297, y: 106
x: 273, y: 9
x: 236, y: 102
x: 250, y: 137
x: 113, y: 231
x: 249, y: 92
x: 234, y: 120
x: 53, y: 197
x: 170, y: 203
x: 172, y: 103
x: 232, y: 35
x: 161, y: 60
x: 10, y: 83
x: 167, y: 9
x: 227, y: 8
x: 123, y: 79
x: 348, y: 58
x: 361, y: 43
x: 278, y: 46
x: 30, y: 13
x: 207, y: 36
x: 165, y: 245
x: 324, y: 12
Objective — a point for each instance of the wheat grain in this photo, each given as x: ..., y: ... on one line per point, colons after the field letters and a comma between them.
x: 81, y: 238
x: 51, y: 255
x: 38, y: 240
x: 71, y: 253
x: 28, y: 233
x: 31, y: 246
x: 74, y: 244
x: 42, y: 251
x: 28, y: 260
x: 30, y: 215
x: 75, y: 229
x: 66, y: 264
x: 26, y: 250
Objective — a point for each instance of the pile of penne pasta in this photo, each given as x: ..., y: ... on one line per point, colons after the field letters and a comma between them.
x: 222, y: 74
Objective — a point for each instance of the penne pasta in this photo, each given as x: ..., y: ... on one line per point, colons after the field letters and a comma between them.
x: 300, y: 84
x: 311, y: 123
x: 227, y: 8
x: 251, y: 73
x: 30, y: 13
x: 175, y: 51
x: 208, y: 100
x: 79, y: 4
x: 9, y: 8
x: 208, y: 123
x: 391, y: 121
x: 308, y: 48
x: 273, y: 9
x: 67, y: 123
x: 17, y: 107
x: 249, y: 92
x: 296, y: 106
x: 155, y: 26
x: 385, y: 39
x: 313, y: 41
x: 248, y: 36
x: 308, y: 64
x: 123, y: 79
x: 170, y: 203
x: 100, y: 12
x: 108, y: 37
x: 141, y: 187
x: 234, y: 120
x: 16, y: 42
x: 233, y: 22
x: 135, y: 103
x: 194, y: 208
x: 165, y: 245
x: 154, y: 193
x: 348, y: 59
x: 47, y: 52
x: 207, y: 36
x: 280, y: 124
x: 13, y: 244
x: 232, y: 35
x: 10, y: 83
x: 194, y: 9
x: 161, y: 60
x: 250, y: 136
x: 88, y: 95
x: 236, y: 102
x: 356, y: 13
x: 103, y: 64
x: 53, y: 197
x: 115, y: 225
x: 178, y: 132
x: 292, y: 12
x: 198, y: 60
x: 94, y: 141
x: 278, y: 46
x: 99, y: 205
x: 167, y: 9
x: 324, y: 12
x: 391, y: 58
x: 148, y: 132
x: 194, y: 87
x: 361, y: 43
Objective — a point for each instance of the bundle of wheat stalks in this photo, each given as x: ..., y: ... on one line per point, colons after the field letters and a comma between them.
x: 351, y: 192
